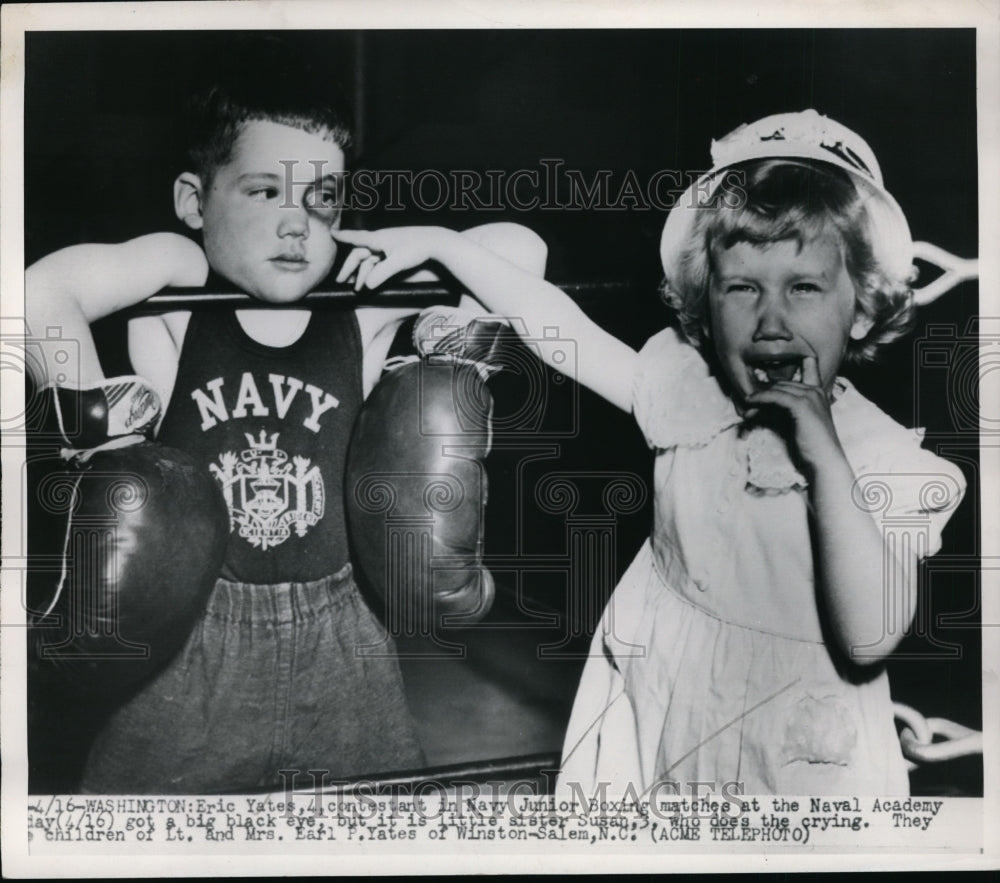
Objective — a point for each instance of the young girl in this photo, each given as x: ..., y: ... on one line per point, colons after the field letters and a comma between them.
x: 742, y: 646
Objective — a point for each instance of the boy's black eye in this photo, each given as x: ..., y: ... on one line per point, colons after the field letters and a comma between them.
x: 263, y: 193
x: 323, y: 199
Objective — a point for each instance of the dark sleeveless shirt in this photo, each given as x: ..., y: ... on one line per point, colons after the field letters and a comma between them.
x: 272, y: 425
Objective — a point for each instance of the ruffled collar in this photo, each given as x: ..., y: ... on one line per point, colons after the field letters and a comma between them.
x: 699, y: 410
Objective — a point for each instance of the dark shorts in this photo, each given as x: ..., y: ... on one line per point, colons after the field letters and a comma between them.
x: 292, y: 676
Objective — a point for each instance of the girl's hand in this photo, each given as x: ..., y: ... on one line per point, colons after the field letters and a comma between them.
x: 507, y: 282
x: 379, y: 255
x: 807, y: 408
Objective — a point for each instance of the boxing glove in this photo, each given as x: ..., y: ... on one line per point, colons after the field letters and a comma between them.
x: 125, y: 539
x: 416, y: 481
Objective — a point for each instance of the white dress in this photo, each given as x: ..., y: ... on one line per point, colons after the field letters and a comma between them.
x: 710, y: 664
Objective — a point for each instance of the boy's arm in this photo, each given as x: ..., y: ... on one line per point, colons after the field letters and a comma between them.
x: 71, y: 288
x: 543, y: 314
x: 154, y: 349
x: 378, y: 327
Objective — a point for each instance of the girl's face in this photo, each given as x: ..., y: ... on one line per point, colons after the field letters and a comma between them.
x: 772, y: 305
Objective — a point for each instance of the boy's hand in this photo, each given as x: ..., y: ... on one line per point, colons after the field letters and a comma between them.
x: 379, y: 255
x: 807, y: 407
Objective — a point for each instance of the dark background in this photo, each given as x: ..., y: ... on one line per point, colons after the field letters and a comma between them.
x: 101, y: 122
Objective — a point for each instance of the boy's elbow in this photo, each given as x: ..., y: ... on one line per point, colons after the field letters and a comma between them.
x: 42, y: 290
x: 531, y: 252
x: 58, y: 287
x: 515, y: 243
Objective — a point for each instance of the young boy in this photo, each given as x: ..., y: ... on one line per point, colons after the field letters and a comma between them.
x: 270, y: 678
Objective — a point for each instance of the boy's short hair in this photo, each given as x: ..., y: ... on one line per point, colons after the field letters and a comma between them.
x: 260, y: 77
x: 773, y: 200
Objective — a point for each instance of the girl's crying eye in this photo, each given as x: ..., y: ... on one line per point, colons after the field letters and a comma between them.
x: 806, y: 288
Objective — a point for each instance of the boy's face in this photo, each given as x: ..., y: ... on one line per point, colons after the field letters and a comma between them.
x: 773, y: 305
x: 268, y: 212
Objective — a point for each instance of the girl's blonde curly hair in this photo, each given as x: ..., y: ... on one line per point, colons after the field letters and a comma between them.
x: 772, y: 200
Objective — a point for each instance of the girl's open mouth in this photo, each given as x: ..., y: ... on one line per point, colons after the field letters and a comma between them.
x: 767, y: 372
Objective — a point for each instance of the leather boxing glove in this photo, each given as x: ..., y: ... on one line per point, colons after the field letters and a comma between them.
x: 416, y: 481
x: 125, y: 539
